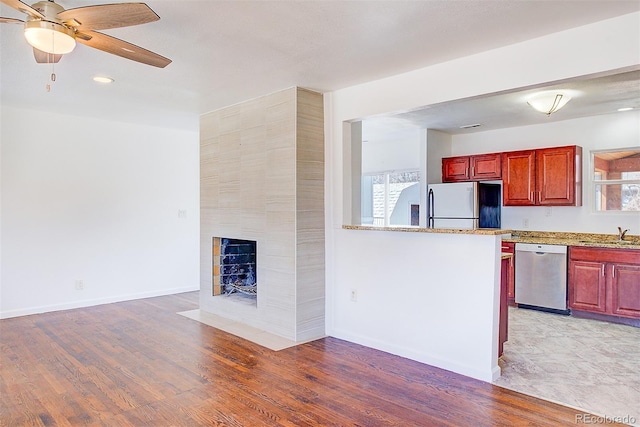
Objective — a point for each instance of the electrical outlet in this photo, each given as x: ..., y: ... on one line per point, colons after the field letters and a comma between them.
x: 354, y: 295
x: 182, y: 213
x: 547, y: 211
x: 525, y: 223
x: 79, y: 285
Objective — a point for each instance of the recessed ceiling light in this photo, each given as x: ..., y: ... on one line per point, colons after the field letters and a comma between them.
x: 475, y: 125
x: 625, y: 109
x: 102, y: 79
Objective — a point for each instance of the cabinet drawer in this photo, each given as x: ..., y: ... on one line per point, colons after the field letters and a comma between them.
x: 627, y: 256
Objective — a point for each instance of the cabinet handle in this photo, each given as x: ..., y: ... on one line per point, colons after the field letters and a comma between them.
x: 533, y: 196
x: 473, y: 170
x: 602, y: 270
x: 613, y: 271
x: 466, y: 171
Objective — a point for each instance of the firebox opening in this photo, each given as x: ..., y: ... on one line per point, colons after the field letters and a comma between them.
x: 235, y: 268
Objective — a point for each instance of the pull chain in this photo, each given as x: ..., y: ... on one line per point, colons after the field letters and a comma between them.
x: 53, y: 76
x: 51, y: 58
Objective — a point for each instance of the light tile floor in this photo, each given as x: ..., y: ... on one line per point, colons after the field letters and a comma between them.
x: 585, y: 364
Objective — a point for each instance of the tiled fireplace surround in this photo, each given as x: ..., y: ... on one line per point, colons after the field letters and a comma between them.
x: 262, y: 179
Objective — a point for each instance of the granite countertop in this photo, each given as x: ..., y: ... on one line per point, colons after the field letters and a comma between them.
x: 482, y: 231
x: 574, y: 239
x: 524, y: 236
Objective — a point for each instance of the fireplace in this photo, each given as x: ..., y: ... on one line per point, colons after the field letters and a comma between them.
x: 262, y: 178
x: 234, y: 267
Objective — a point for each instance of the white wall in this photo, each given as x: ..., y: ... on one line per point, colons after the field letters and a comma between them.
x: 595, y: 48
x: 97, y: 201
x: 398, y: 155
x: 429, y: 297
x: 616, y: 130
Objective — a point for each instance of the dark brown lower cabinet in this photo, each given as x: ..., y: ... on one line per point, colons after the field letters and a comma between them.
x: 605, y: 282
x: 625, y: 290
x: 504, y: 308
x: 510, y: 248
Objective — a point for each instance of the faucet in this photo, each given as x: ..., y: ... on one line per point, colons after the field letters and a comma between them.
x: 621, y: 233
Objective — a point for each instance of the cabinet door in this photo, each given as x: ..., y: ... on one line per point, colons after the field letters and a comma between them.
x: 455, y: 169
x: 504, y: 310
x: 587, y: 286
x: 518, y: 178
x: 486, y: 166
x: 625, y: 290
x: 556, y: 176
x: 508, y: 247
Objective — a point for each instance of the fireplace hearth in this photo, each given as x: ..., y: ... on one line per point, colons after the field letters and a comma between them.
x: 234, y: 267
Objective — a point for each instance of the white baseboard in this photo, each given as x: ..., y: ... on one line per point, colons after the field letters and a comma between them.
x: 98, y: 301
x: 486, y: 375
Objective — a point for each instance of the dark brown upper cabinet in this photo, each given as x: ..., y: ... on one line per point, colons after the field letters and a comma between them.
x: 542, y: 177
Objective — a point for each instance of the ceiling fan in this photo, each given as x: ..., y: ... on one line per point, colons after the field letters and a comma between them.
x: 53, y: 31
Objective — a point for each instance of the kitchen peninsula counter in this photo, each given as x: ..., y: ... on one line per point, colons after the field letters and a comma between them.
x: 438, y: 269
x: 520, y: 236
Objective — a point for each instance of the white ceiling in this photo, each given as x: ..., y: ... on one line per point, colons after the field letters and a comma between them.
x: 591, y: 96
x: 225, y: 52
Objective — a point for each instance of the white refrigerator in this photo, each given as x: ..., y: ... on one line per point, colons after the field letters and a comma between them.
x: 464, y: 205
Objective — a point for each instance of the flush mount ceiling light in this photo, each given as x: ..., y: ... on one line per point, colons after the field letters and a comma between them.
x: 102, y: 79
x: 49, y: 37
x: 549, y: 102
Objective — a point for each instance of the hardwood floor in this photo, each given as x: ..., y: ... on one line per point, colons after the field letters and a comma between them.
x: 138, y: 363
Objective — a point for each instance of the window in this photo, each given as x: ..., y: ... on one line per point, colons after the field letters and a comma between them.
x: 616, y: 179
x: 388, y: 197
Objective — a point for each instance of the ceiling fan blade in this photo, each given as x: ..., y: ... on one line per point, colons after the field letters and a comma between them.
x: 121, y: 48
x: 105, y: 16
x: 10, y: 20
x: 45, y: 58
x: 23, y: 7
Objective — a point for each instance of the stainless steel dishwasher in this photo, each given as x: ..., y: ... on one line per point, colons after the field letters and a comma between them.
x: 541, y: 277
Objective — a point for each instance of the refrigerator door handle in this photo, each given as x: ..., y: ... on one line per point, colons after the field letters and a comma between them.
x: 476, y: 205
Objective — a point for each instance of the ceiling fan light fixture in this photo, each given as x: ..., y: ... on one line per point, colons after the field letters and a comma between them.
x: 49, y: 37
x: 549, y: 102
